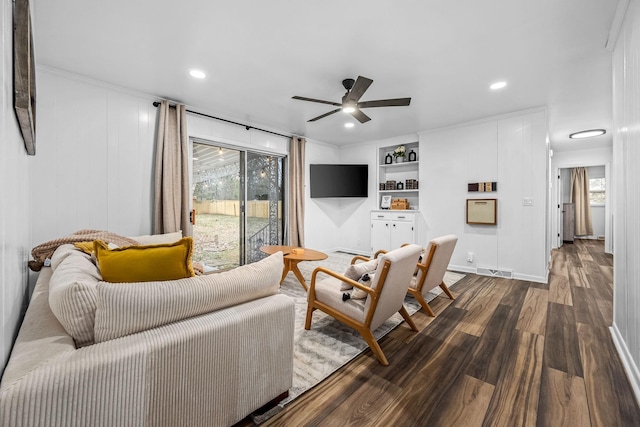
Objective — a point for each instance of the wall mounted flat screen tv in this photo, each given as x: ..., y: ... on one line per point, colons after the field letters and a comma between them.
x: 339, y: 181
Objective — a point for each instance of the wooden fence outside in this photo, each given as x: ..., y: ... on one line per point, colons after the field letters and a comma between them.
x: 255, y: 208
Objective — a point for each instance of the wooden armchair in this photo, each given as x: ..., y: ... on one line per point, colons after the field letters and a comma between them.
x: 431, y: 270
x: 384, y: 298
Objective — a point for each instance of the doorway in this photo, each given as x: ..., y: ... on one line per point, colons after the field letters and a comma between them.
x: 238, y: 199
x: 600, y: 204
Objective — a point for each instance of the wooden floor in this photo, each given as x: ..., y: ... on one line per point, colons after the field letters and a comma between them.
x: 504, y: 353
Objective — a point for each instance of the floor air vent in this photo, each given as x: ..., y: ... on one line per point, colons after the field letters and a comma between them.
x: 485, y: 271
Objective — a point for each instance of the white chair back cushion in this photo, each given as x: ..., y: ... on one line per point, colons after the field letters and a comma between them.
x: 441, y: 258
x: 403, y: 265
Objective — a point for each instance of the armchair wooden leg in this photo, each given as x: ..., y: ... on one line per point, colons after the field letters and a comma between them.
x: 446, y: 290
x: 307, y: 322
x: 373, y: 344
x: 418, y: 296
x: 407, y: 318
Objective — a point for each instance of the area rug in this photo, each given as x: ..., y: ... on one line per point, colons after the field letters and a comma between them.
x: 329, y: 344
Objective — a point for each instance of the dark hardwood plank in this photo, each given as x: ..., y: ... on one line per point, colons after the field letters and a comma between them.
x: 561, y: 348
x: 491, y: 353
x: 515, y: 398
x: 468, y: 400
x: 605, y: 380
x: 586, y: 307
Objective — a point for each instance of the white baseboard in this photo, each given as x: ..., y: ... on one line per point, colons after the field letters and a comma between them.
x: 462, y: 268
x: 529, y: 278
x: 629, y: 364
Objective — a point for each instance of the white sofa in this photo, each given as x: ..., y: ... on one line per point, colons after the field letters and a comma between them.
x: 211, y: 368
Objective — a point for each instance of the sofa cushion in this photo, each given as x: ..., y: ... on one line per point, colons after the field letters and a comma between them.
x: 154, y: 239
x: 127, y: 308
x: 145, y: 263
x: 72, y: 293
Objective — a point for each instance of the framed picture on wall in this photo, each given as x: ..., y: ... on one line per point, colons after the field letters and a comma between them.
x: 24, y: 74
x: 482, y: 211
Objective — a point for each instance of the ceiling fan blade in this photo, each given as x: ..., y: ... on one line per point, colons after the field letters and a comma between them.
x: 362, y: 117
x: 398, y: 102
x: 358, y: 89
x: 302, y: 98
x: 325, y: 115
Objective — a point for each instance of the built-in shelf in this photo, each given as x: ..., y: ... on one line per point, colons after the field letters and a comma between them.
x: 399, y: 172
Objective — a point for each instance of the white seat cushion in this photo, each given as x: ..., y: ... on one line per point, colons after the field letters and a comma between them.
x: 328, y: 292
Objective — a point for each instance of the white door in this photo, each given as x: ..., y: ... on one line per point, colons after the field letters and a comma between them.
x: 401, y: 233
x: 380, y: 232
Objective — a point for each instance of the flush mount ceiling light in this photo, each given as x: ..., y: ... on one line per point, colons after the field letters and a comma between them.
x: 197, y: 74
x: 348, y: 125
x: 587, y: 133
x: 498, y: 85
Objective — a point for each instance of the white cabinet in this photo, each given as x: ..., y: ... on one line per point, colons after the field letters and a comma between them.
x: 391, y: 229
x: 399, y: 179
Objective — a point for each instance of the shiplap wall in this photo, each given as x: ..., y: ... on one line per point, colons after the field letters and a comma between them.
x: 626, y: 177
x: 510, y: 150
x: 15, y: 209
x: 94, y: 164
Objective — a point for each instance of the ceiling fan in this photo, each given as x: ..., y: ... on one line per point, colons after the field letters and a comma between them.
x: 355, y: 90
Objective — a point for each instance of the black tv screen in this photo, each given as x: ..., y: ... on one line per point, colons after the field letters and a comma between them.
x: 339, y: 181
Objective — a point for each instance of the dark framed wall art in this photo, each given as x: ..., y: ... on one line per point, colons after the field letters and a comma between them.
x: 24, y: 74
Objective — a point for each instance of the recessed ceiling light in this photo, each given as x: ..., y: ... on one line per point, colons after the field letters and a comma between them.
x: 197, y: 74
x: 497, y: 85
x: 348, y: 125
x: 587, y: 133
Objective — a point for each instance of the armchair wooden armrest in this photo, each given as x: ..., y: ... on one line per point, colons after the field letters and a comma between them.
x: 324, y: 270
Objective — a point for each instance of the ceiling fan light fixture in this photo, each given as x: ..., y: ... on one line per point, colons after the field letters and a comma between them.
x: 349, y: 107
x: 587, y: 133
x: 349, y: 125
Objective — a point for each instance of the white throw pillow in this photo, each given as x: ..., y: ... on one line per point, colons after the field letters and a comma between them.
x: 127, y: 308
x: 367, y: 280
x: 355, y: 272
x: 156, y: 239
x: 72, y: 294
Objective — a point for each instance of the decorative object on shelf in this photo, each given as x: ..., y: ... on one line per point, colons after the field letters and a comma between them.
x: 412, y: 156
x: 482, y: 186
x: 399, y: 154
x: 388, y: 159
x: 400, y: 204
x: 390, y: 185
x: 482, y: 211
x: 386, y: 202
x: 382, y: 186
x: 411, y: 184
x: 400, y: 186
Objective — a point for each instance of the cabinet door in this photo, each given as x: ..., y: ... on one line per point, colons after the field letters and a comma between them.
x: 380, y: 232
x: 401, y: 232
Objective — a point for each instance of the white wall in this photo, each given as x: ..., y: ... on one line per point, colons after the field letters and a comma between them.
x: 626, y: 198
x: 15, y: 209
x: 509, y: 150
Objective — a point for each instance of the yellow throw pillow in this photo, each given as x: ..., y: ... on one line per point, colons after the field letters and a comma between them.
x: 145, y: 263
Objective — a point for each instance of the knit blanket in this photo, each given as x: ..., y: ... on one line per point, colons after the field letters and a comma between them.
x: 41, y: 252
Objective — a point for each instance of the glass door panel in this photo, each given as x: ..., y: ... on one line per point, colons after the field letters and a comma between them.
x: 238, y: 199
x: 217, y: 202
x: 264, y: 203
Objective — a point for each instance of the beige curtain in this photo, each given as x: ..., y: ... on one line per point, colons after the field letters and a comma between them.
x: 580, y: 199
x: 171, y: 204
x: 296, y: 192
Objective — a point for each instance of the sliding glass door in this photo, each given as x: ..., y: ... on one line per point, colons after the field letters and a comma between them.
x: 238, y: 199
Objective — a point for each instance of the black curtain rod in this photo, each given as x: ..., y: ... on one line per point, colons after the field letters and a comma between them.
x: 247, y: 127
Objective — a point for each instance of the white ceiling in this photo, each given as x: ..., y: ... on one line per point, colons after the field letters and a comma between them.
x: 258, y: 54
